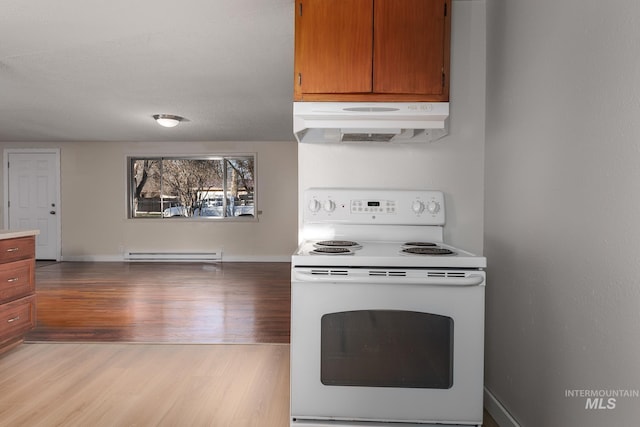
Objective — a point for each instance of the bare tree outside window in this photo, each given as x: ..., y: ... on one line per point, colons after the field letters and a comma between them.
x: 213, y: 187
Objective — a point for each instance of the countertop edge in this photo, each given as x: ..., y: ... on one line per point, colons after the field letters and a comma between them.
x: 12, y: 234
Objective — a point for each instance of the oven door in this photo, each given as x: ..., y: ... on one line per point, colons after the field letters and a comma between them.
x: 387, y: 349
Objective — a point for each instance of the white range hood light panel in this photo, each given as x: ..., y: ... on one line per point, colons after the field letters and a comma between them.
x: 326, y: 122
x: 395, y: 131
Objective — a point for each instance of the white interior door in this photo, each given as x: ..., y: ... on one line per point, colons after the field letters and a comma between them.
x: 33, y: 197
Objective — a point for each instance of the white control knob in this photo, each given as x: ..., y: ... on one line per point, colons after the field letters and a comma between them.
x: 329, y: 206
x: 417, y: 207
x: 433, y: 207
x: 314, y: 205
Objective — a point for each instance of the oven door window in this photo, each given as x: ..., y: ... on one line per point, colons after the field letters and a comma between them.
x: 387, y: 348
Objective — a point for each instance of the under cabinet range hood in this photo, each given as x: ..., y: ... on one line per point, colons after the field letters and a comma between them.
x: 389, y: 122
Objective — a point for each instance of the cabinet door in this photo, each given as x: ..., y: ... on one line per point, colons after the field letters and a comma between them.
x: 334, y: 48
x: 409, y: 47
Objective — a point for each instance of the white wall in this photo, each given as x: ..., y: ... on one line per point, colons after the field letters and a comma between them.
x: 94, y: 204
x: 563, y: 208
x: 453, y: 164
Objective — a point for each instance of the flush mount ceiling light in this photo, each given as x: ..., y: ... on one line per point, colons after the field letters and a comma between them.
x: 168, y: 120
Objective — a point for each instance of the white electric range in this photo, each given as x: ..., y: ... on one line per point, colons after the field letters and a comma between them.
x: 387, y: 321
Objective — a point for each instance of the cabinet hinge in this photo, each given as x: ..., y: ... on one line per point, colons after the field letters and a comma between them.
x: 444, y: 78
x: 445, y: 8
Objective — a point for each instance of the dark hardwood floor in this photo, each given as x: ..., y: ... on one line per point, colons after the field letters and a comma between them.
x: 163, y: 302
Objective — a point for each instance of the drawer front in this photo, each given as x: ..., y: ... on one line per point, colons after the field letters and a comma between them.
x: 17, y: 279
x: 17, y: 317
x: 16, y: 249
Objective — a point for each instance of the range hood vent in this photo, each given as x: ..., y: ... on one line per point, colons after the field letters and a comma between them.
x: 334, y: 122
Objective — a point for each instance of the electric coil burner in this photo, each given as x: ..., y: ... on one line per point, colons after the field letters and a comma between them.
x: 424, y: 248
x: 331, y: 250
x: 419, y: 244
x: 335, y: 247
x: 391, y: 331
x: 435, y: 251
x: 342, y: 243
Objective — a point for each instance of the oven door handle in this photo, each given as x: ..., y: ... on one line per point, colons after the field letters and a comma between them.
x: 343, y: 276
x: 470, y: 280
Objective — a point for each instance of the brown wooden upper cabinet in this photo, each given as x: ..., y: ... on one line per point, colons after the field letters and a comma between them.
x: 372, y: 50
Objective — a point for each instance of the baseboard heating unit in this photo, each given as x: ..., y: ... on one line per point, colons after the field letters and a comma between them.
x: 174, y: 256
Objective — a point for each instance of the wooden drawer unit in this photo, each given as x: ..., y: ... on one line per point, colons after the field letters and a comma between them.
x: 16, y: 249
x: 17, y: 317
x: 17, y: 290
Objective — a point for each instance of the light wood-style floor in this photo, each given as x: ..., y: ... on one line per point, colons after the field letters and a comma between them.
x: 48, y: 384
x: 81, y: 383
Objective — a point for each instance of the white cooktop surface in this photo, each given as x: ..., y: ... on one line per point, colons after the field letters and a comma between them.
x: 386, y: 254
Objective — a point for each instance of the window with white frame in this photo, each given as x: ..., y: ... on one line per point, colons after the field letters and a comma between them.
x: 210, y: 187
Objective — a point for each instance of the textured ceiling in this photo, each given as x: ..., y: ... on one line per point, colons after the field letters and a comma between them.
x: 78, y: 70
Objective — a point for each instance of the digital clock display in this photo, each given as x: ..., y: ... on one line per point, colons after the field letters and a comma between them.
x: 373, y: 204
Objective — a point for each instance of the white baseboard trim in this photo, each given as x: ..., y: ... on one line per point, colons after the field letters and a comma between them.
x: 226, y: 258
x: 93, y: 258
x: 498, y: 411
x: 212, y: 256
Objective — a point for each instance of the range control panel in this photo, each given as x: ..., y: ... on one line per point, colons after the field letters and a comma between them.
x: 367, y: 206
x: 373, y: 206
